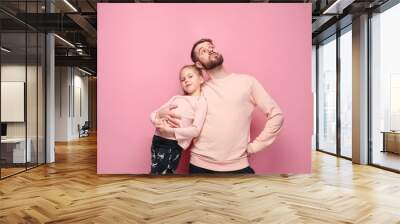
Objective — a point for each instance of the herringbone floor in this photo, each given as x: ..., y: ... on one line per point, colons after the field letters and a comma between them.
x: 70, y: 191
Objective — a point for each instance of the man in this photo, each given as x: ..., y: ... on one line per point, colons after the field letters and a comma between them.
x: 223, y: 145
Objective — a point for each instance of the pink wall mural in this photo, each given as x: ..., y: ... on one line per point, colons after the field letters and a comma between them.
x: 141, y: 48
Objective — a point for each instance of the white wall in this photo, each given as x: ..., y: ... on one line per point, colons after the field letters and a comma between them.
x: 80, y: 89
x: 70, y: 83
x: 62, y: 80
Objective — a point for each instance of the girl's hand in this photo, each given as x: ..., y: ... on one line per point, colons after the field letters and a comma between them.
x: 165, y: 129
x: 167, y: 113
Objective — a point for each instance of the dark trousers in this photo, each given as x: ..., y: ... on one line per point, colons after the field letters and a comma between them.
x: 199, y: 170
x: 165, y: 155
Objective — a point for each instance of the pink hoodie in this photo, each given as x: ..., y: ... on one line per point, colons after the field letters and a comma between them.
x: 223, y: 144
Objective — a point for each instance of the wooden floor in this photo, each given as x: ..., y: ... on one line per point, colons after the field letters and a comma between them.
x: 5, y: 172
x: 70, y: 191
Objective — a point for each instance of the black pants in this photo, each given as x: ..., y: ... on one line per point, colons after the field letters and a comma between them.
x: 165, y: 155
x: 198, y: 170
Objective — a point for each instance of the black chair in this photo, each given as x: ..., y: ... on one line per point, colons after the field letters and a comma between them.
x: 84, y: 130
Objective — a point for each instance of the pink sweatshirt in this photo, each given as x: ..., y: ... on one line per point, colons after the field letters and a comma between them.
x: 193, y: 111
x: 223, y: 144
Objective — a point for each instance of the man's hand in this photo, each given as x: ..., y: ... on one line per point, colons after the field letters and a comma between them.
x: 245, y: 154
x: 173, y: 120
x: 165, y: 129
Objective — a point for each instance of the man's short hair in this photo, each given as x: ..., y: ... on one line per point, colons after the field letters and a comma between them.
x: 193, y: 53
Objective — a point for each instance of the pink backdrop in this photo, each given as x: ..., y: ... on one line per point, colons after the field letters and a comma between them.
x: 141, y: 48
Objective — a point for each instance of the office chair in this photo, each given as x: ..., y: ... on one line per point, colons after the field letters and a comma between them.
x: 84, y: 130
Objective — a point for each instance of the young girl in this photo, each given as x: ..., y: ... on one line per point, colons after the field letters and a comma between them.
x: 168, y: 142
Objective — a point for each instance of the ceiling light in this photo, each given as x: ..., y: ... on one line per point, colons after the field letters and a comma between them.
x: 338, y: 6
x: 70, y: 5
x: 5, y: 50
x: 84, y: 71
x: 64, y: 40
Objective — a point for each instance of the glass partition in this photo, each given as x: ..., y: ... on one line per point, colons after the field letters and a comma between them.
x: 22, y: 77
x: 14, y: 153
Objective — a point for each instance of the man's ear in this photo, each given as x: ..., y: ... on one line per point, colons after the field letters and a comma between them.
x: 201, y: 79
x: 198, y: 65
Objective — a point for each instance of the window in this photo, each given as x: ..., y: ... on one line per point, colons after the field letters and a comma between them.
x: 346, y: 93
x: 327, y: 95
x: 385, y: 88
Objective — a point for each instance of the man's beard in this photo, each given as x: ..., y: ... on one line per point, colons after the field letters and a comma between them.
x: 213, y: 63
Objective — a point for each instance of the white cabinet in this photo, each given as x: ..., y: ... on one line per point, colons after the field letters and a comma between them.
x: 18, y: 149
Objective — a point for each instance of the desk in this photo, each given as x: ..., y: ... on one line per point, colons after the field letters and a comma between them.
x: 391, y: 141
x: 13, y: 150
